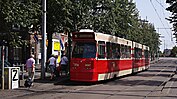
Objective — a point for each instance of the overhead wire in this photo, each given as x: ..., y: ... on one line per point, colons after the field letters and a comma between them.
x: 164, y: 8
x: 160, y: 4
x: 160, y: 17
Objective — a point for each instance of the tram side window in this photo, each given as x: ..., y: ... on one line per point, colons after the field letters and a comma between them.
x: 128, y: 52
x: 116, y: 51
x: 109, y: 50
x: 146, y: 54
x: 113, y: 50
x: 123, y: 51
x: 101, y: 49
x: 138, y: 53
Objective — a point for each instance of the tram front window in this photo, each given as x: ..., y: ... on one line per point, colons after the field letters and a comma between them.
x: 84, y: 50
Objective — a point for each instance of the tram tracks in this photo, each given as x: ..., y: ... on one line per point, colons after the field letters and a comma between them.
x: 78, y: 88
x: 151, y: 78
x: 164, y: 82
x: 89, y: 89
x: 161, y: 85
x: 143, y: 82
x: 86, y: 89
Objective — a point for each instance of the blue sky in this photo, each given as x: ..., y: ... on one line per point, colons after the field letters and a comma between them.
x: 154, y: 11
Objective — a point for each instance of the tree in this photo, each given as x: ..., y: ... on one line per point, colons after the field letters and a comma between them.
x: 173, y: 18
x: 16, y: 16
x: 115, y: 17
x: 174, y: 51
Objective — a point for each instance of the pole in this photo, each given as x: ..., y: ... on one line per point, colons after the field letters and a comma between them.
x: 3, y: 67
x: 43, y: 57
x: 69, y: 50
x: 164, y: 49
x: 36, y: 53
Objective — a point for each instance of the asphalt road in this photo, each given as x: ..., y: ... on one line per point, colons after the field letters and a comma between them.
x: 159, y: 82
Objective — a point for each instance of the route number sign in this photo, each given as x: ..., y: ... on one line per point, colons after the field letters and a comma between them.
x: 15, y: 78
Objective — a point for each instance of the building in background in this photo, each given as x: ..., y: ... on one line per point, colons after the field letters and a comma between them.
x: 18, y: 55
x: 59, y: 41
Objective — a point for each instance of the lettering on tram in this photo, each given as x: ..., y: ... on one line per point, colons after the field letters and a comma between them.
x: 98, y: 56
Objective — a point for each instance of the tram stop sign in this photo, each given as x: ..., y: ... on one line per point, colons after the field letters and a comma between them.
x: 15, y: 78
x: 11, y: 77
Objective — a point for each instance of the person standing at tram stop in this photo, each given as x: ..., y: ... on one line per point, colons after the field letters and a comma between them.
x: 57, y: 69
x: 30, y: 67
x: 52, y: 66
x: 64, y: 63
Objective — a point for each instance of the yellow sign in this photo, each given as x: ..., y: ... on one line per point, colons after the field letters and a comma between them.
x: 59, y: 59
x: 56, y: 46
x: 46, y: 42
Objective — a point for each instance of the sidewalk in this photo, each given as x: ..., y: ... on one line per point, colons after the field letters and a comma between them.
x: 47, y: 78
x: 39, y: 81
x: 47, y: 84
x: 40, y: 85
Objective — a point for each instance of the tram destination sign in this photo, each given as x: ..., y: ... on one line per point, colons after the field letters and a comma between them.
x: 83, y: 36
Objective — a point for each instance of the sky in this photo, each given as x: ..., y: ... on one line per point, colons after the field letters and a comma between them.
x: 154, y: 11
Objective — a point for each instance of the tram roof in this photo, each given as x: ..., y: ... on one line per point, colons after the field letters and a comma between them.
x: 114, y: 39
x: 86, y: 30
x: 111, y: 38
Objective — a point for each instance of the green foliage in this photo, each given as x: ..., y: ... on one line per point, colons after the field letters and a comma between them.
x: 173, y: 9
x: 58, y: 15
x: 174, y: 51
x: 18, y: 13
x: 116, y: 17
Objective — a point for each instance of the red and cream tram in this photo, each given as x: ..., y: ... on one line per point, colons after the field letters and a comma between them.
x: 98, y: 56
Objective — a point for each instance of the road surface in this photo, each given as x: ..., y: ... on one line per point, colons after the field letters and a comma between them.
x: 159, y: 82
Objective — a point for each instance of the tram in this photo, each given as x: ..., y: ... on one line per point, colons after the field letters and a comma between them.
x: 98, y: 56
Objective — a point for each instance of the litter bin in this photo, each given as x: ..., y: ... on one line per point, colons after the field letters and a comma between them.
x: 11, y: 77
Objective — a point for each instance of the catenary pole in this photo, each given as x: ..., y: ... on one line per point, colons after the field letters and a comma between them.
x: 3, y: 47
x: 43, y: 57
